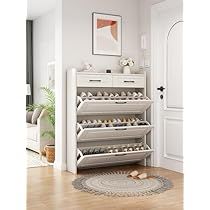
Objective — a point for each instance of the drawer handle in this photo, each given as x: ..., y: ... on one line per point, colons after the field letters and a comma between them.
x: 120, y: 154
x: 129, y: 81
x: 120, y: 102
x: 121, y: 129
x: 94, y: 80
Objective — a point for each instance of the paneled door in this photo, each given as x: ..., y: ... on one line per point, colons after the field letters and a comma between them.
x: 167, y: 25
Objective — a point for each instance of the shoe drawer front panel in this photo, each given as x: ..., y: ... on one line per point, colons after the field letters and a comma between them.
x: 111, y: 158
x: 94, y: 80
x: 130, y: 81
x: 125, y: 132
x: 113, y: 106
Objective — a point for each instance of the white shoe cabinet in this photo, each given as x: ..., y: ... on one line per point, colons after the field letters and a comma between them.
x: 79, y: 108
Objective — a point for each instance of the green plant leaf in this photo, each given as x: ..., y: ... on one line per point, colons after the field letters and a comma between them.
x: 49, y: 106
x: 50, y: 134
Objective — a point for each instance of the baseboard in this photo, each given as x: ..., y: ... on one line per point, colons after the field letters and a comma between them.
x: 60, y: 166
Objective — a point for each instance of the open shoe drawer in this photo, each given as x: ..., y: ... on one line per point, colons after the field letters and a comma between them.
x: 91, y: 107
x: 122, y: 132
x: 88, y: 161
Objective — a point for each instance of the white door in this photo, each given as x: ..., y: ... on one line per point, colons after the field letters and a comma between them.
x: 167, y: 24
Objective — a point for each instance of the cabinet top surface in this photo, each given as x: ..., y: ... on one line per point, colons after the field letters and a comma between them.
x: 112, y: 74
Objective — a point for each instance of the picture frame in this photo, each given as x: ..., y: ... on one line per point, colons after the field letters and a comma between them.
x: 106, y: 34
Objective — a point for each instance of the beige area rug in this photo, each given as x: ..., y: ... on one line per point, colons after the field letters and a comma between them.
x: 33, y: 160
x: 117, y: 183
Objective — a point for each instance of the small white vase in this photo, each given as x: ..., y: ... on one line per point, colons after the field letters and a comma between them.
x: 126, y: 70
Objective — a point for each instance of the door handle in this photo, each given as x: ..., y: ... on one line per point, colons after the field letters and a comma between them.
x: 161, y: 88
x: 121, y: 129
x: 94, y: 80
x: 120, y: 102
x: 130, y: 81
x: 120, y: 155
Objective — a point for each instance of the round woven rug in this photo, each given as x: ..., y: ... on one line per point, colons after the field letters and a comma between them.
x: 118, y: 184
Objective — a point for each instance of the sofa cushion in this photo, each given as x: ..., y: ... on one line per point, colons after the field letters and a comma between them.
x: 35, y: 115
x: 29, y: 116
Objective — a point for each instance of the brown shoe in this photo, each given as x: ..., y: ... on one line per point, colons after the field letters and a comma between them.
x: 133, y: 174
x: 142, y: 176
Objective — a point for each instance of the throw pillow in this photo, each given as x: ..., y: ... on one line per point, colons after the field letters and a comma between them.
x: 35, y: 115
x: 29, y: 116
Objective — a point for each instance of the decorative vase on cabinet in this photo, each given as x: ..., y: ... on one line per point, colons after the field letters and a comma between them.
x: 126, y: 70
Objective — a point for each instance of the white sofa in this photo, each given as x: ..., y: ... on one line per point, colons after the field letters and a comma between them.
x: 35, y: 140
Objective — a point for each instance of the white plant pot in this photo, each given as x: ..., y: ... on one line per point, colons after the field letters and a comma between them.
x: 126, y: 70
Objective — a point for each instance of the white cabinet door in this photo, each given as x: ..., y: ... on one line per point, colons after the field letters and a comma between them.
x: 94, y: 80
x: 110, y: 133
x: 167, y: 26
x: 105, y: 159
x: 101, y: 107
x: 131, y: 81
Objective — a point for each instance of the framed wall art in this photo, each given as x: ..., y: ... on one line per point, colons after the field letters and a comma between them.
x: 107, y: 34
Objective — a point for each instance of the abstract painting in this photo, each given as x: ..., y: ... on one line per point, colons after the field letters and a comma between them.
x: 107, y: 34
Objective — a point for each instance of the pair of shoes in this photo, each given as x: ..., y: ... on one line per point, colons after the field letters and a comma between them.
x: 136, y: 175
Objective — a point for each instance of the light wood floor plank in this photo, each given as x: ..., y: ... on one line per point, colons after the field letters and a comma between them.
x: 51, y: 189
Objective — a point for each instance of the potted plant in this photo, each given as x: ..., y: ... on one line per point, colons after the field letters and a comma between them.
x: 49, y: 106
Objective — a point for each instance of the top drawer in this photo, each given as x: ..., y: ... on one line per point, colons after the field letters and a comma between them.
x: 94, y: 80
x: 128, y: 81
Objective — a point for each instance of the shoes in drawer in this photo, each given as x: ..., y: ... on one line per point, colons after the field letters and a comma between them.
x: 95, y: 132
x: 116, y: 106
x: 85, y: 160
x: 112, y: 96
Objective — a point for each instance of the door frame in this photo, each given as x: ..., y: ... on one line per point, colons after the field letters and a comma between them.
x: 155, y: 10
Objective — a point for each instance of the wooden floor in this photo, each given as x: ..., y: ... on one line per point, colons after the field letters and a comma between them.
x: 50, y: 189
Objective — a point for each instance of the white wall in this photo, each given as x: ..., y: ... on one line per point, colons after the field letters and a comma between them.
x: 74, y: 45
x: 77, y: 31
x: 145, y: 28
x: 60, y: 91
x: 43, y: 51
